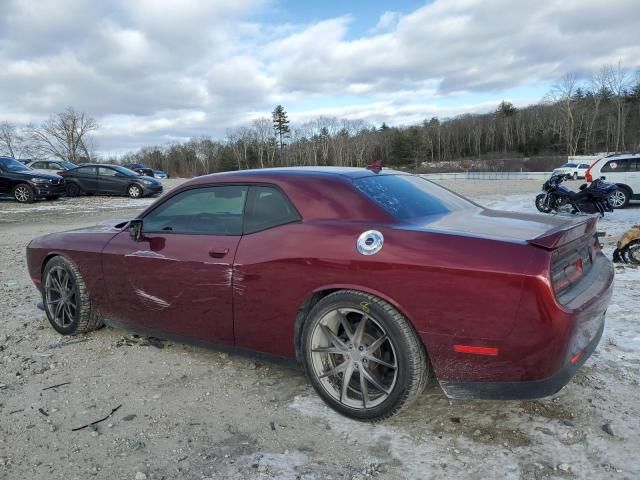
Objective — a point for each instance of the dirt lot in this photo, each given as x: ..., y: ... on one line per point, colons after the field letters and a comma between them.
x: 188, y: 412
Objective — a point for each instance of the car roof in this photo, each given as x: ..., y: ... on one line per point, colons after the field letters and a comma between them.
x: 345, y: 172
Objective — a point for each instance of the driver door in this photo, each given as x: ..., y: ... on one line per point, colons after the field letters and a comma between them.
x: 178, y: 277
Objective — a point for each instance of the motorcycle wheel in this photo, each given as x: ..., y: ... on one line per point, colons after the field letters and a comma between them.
x: 541, y: 203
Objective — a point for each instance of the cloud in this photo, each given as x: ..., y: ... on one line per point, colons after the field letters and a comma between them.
x: 154, y: 71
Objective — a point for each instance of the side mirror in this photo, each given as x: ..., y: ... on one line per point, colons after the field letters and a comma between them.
x: 603, y: 178
x: 135, y: 229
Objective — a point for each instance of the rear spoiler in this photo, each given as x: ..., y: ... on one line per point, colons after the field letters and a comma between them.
x: 567, y: 233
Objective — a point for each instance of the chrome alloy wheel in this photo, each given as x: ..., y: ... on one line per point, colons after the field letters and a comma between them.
x: 617, y: 199
x: 353, y: 358
x: 61, y: 297
x: 22, y: 193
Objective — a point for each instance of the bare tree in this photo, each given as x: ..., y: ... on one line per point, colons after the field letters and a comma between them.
x: 65, y: 135
x: 562, y: 95
x: 618, y: 81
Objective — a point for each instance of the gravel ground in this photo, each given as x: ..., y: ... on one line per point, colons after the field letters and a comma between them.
x: 194, y: 413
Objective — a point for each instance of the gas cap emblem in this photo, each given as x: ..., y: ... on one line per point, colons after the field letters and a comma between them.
x: 370, y: 242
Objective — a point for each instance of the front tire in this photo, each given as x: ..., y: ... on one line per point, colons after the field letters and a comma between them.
x: 620, y: 198
x: 23, y: 193
x: 66, y: 298
x: 362, y: 356
x: 134, y: 191
x: 73, y: 190
x: 541, y: 204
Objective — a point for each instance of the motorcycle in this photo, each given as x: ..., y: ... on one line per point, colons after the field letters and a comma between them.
x: 592, y: 198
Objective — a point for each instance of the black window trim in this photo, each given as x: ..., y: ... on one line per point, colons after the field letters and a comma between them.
x: 287, y: 199
x: 197, y: 187
x: 244, y: 207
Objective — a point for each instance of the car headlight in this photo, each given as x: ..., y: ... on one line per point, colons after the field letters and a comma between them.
x: 147, y: 182
x: 41, y: 180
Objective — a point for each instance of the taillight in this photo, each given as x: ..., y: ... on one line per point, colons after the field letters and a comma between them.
x: 587, y: 175
x: 569, y: 268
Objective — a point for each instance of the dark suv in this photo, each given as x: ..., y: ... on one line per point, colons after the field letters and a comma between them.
x: 27, y: 185
x: 140, y: 168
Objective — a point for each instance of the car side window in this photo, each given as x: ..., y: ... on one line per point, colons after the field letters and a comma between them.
x: 207, y: 210
x: 85, y: 171
x: 106, y: 172
x: 618, y: 165
x: 39, y: 165
x: 267, y: 207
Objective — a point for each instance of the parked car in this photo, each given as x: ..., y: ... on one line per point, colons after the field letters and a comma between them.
x: 623, y: 170
x: 108, y: 179
x: 375, y: 282
x: 139, y: 168
x: 576, y: 170
x: 160, y: 174
x: 26, y: 185
x: 51, y: 166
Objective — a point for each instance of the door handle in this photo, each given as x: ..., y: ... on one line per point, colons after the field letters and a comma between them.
x: 218, y: 252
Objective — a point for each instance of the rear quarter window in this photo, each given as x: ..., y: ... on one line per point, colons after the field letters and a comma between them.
x: 614, y: 166
x: 409, y: 197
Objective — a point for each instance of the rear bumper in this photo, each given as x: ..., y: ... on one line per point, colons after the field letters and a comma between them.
x: 523, y: 390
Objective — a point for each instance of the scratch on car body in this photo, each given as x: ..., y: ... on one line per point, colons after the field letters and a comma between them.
x: 152, y: 300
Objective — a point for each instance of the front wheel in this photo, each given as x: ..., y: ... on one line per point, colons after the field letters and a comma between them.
x: 619, y: 198
x: 362, y: 356
x: 541, y: 203
x: 66, y: 298
x: 23, y: 193
x: 73, y: 190
x: 134, y: 191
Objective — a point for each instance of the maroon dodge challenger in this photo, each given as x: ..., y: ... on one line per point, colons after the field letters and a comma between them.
x: 374, y: 280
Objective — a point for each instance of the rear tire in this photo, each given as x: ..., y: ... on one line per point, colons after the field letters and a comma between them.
x: 575, y: 175
x: 23, y: 193
x: 620, y: 198
x: 354, y: 335
x: 66, y: 298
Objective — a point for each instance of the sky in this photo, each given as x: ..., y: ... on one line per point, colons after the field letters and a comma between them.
x: 158, y: 71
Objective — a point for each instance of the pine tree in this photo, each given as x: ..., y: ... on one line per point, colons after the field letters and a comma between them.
x: 280, y: 125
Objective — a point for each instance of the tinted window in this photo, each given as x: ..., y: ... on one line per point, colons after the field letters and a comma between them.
x: 267, y: 207
x: 618, y: 165
x: 40, y: 165
x: 107, y: 172
x: 209, y: 210
x: 569, y: 165
x: 84, y: 171
x: 409, y: 196
x: 583, y: 165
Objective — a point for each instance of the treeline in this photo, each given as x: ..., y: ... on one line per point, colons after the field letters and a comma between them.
x: 601, y: 114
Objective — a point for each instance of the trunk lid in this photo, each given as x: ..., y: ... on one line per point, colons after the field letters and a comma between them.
x: 546, y: 231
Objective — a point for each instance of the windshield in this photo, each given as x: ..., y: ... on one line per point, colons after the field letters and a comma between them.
x: 12, y: 165
x: 570, y: 165
x: 408, y: 196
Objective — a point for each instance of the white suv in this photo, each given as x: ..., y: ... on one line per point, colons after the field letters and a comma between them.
x: 576, y: 170
x: 622, y: 169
